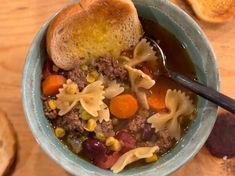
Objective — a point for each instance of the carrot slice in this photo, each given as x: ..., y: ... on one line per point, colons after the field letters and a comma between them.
x: 157, y: 98
x: 51, y: 85
x: 123, y: 106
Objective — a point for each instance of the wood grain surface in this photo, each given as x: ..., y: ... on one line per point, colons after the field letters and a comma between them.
x: 19, y: 22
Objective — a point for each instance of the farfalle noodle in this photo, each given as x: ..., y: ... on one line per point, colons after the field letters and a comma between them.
x: 179, y: 106
x: 132, y: 156
x: 65, y: 106
x: 139, y: 83
x: 143, y: 52
x: 103, y: 114
x: 91, y: 98
x: 113, y: 90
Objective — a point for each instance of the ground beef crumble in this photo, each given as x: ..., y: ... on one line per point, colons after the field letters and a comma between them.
x: 78, y: 76
x: 110, y: 68
x: 163, y: 141
x: 71, y: 122
x: 135, y: 124
x: 106, y: 128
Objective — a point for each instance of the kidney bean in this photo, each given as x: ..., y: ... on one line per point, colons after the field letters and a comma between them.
x: 106, y: 161
x: 47, y: 68
x: 127, y: 140
x: 93, y: 148
x: 147, y: 132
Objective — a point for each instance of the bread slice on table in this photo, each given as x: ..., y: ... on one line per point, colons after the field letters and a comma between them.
x: 7, y: 144
x: 92, y: 28
x: 214, y: 11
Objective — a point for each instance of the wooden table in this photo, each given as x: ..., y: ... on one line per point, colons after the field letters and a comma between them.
x: 19, y: 22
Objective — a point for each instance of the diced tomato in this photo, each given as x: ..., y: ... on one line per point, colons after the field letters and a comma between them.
x: 146, y: 71
x: 47, y: 68
x: 107, y: 161
x: 128, y: 141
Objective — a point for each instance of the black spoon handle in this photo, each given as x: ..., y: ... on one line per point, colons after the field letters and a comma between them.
x: 206, y: 92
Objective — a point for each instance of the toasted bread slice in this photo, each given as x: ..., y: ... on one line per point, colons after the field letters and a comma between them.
x: 7, y: 144
x: 92, y: 28
x: 214, y: 11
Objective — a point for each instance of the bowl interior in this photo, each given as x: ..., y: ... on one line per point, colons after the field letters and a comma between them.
x: 190, y: 35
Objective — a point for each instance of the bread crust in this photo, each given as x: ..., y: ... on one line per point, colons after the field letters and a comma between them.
x: 214, y: 11
x: 96, y: 17
x: 59, y: 19
x: 7, y: 144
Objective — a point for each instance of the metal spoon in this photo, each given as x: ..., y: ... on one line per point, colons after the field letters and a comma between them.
x: 198, y: 88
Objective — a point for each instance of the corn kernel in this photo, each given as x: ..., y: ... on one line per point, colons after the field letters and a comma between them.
x: 116, y: 146
x: 90, y: 78
x: 90, y: 126
x: 113, y: 143
x: 85, y: 115
x: 52, y: 104
x: 95, y: 74
x: 151, y: 159
x: 84, y: 67
x: 100, y: 136
x: 72, y: 88
x: 59, y: 132
x: 110, y: 141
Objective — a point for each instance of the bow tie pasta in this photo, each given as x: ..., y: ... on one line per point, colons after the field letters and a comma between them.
x: 132, y: 156
x: 139, y: 83
x: 113, y: 90
x: 179, y: 106
x: 143, y: 52
x: 103, y: 114
x: 91, y: 98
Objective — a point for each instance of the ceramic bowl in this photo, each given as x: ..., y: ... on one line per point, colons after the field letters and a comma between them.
x: 191, y: 36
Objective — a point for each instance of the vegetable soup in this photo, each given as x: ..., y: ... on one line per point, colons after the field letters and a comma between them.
x: 121, y: 111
